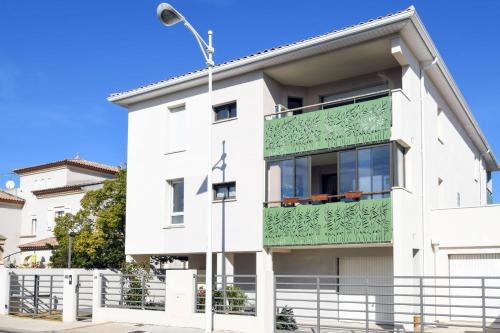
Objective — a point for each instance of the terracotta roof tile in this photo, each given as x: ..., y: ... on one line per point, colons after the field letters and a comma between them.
x: 147, y: 86
x: 41, y: 244
x: 10, y: 198
x: 76, y: 162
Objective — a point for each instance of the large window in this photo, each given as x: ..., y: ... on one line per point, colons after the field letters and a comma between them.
x: 364, y: 169
x: 225, y: 111
x: 177, y: 129
x: 176, y: 201
x: 288, y: 178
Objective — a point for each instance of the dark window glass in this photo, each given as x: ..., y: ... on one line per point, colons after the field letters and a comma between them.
x: 348, y: 171
x: 225, y: 191
x: 225, y: 111
x: 178, y: 197
x: 294, y: 103
x: 287, y: 179
x: 302, y: 177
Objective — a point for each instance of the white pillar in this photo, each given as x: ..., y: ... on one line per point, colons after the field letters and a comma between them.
x: 96, y: 295
x: 180, y: 298
x: 4, y: 290
x: 228, y: 260
x: 69, y: 296
x: 265, y: 291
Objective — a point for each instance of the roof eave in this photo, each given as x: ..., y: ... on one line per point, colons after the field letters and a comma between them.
x: 245, y: 65
x: 443, y: 69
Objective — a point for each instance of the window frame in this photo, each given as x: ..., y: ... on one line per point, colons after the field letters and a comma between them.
x: 227, y: 185
x: 171, y: 213
x: 222, y: 105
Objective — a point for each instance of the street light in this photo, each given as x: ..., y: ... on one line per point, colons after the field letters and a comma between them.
x: 169, y: 16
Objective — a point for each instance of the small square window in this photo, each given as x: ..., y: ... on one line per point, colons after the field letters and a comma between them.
x: 226, y: 111
x: 224, y: 191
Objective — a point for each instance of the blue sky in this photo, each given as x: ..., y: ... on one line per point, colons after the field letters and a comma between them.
x: 59, y: 60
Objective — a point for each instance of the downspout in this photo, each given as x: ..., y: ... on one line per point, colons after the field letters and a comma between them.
x: 422, y: 68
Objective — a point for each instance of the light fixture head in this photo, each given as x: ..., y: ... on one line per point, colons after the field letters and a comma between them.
x: 168, y: 15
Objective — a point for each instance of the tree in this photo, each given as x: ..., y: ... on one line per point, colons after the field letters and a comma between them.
x: 99, y: 228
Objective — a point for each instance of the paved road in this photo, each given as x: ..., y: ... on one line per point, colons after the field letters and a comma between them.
x: 11, y: 324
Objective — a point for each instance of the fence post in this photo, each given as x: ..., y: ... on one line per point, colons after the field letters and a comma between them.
x: 50, y: 294
x: 69, y: 296
x: 318, y: 305
x: 36, y: 289
x: 422, y: 321
x: 4, y: 290
x: 483, y: 298
x: 367, y: 308
x: 142, y: 291
x: 96, y: 295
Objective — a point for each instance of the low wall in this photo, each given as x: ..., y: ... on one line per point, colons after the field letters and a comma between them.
x: 466, y: 227
x: 179, y: 308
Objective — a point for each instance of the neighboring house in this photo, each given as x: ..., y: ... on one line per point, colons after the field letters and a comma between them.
x: 45, y: 192
x: 376, y: 114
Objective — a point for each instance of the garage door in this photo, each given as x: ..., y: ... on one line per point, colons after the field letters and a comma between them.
x: 354, y: 272
x: 477, y: 265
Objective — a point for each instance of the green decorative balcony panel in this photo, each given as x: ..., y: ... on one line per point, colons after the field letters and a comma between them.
x: 365, y: 221
x: 347, y: 125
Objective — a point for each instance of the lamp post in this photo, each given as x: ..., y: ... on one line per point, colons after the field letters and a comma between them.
x: 71, y: 234
x: 169, y: 16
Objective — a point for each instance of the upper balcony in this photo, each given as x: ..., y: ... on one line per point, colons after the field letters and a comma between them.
x: 358, y: 120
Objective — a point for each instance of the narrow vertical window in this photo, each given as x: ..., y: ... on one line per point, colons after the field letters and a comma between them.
x: 177, y: 129
x: 33, y: 225
x: 177, y: 201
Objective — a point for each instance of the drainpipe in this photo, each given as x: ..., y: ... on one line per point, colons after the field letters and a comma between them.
x: 423, y: 67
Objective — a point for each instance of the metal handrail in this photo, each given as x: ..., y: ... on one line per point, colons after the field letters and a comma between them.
x: 330, y: 196
x: 340, y: 100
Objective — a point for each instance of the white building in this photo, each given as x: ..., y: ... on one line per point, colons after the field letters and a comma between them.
x: 376, y: 111
x: 45, y: 191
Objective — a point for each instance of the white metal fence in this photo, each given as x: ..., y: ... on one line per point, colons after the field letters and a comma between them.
x: 133, y: 291
x: 36, y: 295
x: 232, y: 294
x: 322, y: 303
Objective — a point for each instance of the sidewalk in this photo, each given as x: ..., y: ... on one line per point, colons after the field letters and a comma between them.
x: 12, y: 324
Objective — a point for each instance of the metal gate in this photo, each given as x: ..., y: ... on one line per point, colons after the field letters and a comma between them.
x: 84, y: 286
x: 36, y: 295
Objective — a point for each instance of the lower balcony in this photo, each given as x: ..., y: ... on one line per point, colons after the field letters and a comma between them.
x: 356, y: 222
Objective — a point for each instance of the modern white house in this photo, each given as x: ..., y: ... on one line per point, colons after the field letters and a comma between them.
x: 351, y: 153
x: 45, y: 191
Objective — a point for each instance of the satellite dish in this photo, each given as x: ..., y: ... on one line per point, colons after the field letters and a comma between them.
x: 10, y: 184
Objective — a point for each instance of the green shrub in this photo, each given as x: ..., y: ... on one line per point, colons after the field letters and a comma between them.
x: 285, y: 320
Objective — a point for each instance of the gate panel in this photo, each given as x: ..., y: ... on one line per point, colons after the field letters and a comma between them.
x: 84, y: 285
x: 36, y: 295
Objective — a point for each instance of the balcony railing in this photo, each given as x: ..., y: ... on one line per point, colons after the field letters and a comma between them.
x: 356, y: 222
x: 362, y: 122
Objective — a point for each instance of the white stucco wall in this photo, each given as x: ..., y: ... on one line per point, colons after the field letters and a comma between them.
x: 10, y: 220
x: 150, y: 166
